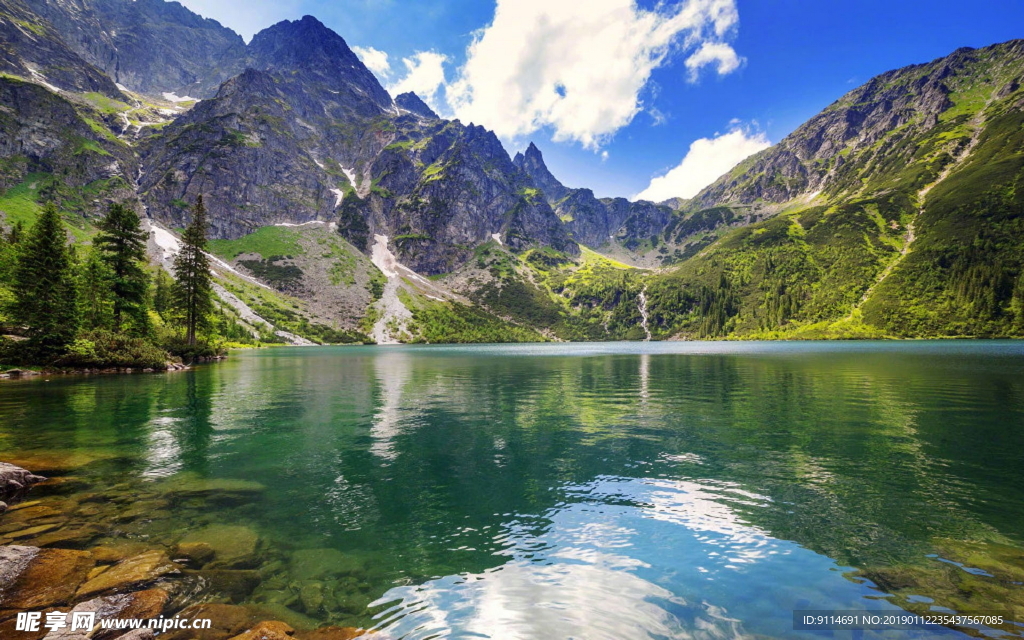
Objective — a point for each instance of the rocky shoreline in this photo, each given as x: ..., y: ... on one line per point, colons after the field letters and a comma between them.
x: 121, y: 554
x: 20, y: 373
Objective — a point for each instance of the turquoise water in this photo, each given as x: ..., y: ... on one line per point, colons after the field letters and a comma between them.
x: 624, y: 490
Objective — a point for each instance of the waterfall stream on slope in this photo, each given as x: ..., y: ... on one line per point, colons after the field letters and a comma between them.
x: 642, y: 304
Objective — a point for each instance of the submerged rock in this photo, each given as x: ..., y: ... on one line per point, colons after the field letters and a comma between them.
x: 57, y: 463
x: 234, y: 546
x: 74, y: 537
x: 197, y: 553
x: 235, y: 584
x: 115, y: 552
x: 50, y: 577
x: 142, y: 604
x: 139, y: 569
x: 267, y: 630
x: 227, y: 489
x: 227, y: 620
x: 331, y: 633
x: 313, y: 564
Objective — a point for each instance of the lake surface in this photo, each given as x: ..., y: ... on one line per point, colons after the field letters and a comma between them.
x: 619, y: 491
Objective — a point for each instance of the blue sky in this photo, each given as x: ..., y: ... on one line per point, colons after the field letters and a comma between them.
x: 615, y: 92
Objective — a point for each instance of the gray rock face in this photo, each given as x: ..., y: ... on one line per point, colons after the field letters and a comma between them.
x: 413, y: 104
x: 590, y: 220
x: 444, y: 188
x: 33, y: 48
x: 41, y: 131
x: 532, y: 164
x: 15, y: 481
x: 311, y: 135
x: 308, y: 50
x: 149, y: 46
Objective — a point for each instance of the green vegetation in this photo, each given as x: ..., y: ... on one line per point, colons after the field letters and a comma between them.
x: 121, y: 246
x: 265, y: 241
x: 281, y: 276
x: 451, y: 322
x: 193, y: 291
x: 44, y: 287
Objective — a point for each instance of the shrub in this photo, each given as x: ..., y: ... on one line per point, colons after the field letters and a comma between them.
x: 101, y: 348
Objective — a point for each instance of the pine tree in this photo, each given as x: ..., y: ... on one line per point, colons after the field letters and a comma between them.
x: 1017, y: 302
x: 163, y: 294
x: 96, y: 303
x: 194, y: 288
x: 44, y: 286
x: 122, y: 245
x: 16, y: 233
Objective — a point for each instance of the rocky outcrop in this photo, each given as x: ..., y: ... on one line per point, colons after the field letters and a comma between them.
x: 311, y: 135
x: 43, y: 132
x: 148, y: 46
x: 15, y: 482
x: 531, y: 162
x: 590, y: 220
x: 33, y: 49
x: 413, y: 104
x: 312, y: 55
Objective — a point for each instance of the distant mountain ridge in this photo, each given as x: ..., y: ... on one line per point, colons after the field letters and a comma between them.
x: 896, y: 211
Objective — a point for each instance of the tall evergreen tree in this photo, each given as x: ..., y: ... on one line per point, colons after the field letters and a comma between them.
x: 44, y: 286
x: 163, y: 294
x: 16, y: 233
x: 194, y: 288
x: 96, y: 303
x: 122, y: 245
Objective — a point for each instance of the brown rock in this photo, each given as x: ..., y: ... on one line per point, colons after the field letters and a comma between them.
x: 331, y: 633
x: 50, y: 578
x: 145, y: 604
x: 31, y: 531
x: 144, y: 567
x: 74, y: 538
x: 7, y: 630
x: 267, y: 630
x: 234, y: 545
x: 226, y: 621
x: 56, y: 463
x: 235, y: 584
x: 198, y: 553
x: 113, y: 553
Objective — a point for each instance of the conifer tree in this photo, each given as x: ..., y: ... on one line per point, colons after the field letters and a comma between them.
x: 194, y: 287
x: 16, y: 233
x: 96, y: 304
x: 44, y: 286
x: 163, y: 294
x: 122, y: 245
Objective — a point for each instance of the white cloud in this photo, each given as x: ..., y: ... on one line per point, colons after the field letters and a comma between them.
x: 424, y: 76
x: 713, y: 53
x: 579, y: 68
x: 374, y: 59
x: 706, y: 161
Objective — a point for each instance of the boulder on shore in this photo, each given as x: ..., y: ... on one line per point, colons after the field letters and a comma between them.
x: 15, y: 482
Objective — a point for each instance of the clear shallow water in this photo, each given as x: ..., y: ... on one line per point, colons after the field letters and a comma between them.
x: 640, y: 490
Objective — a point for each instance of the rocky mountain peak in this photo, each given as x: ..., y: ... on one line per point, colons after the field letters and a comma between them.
x: 317, y: 52
x: 532, y: 163
x: 413, y: 104
x: 149, y: 46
